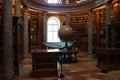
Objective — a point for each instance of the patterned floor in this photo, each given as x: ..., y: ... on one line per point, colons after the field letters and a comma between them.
x: 84, y: 69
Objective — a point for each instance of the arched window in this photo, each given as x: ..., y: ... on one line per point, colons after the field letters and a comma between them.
x: 53, y: 26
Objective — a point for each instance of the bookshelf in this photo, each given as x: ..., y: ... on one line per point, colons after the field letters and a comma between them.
x: 99, y: 27
x: 1, y: 38
x: 107, y: 40
x: 35, y: 31
x: 1, y: 31
x: 17, y: 43
x: 115, y: 11
x: 108, y: 57
x: 78, y: 22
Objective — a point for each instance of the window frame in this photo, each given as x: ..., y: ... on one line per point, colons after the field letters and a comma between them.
x: 53, y: 31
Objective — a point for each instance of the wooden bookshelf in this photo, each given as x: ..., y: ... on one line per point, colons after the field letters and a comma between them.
x: 35, y: 31
x: 99, y: 27
x: 108, y: 59
x: 1, y: 31
x: 78, y: 22
x: 17, y: 44
x: 107, y: 41
x: 115, y: 11
x: 1, y: 39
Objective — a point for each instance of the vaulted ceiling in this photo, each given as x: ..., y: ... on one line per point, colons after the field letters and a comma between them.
x: 71, y: 7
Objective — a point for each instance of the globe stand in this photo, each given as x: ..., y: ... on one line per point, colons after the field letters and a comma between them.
x: 61, y: 73
x: 65, y: 34
x: 65, y: 47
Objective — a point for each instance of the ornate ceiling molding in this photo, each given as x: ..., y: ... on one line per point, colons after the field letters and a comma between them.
x: 72, y: 7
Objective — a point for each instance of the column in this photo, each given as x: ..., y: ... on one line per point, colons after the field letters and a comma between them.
x: 67, y: 19
x: 26, y: 33
x: 107, y: 20
x: 44, y: 26
x: 90, y: 32
x: 8, y: 68
x: 108, y: 14
x: 18, y: 8
x: 67, y: 1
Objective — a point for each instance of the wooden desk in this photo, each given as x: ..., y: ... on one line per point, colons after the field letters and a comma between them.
x: 44, y: 62
x: 69, y: 56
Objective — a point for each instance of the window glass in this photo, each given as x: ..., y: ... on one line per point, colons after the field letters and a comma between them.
x: 53, y: 26
x: 53, y: 1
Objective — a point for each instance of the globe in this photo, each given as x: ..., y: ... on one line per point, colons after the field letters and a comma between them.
x: 65, y: 33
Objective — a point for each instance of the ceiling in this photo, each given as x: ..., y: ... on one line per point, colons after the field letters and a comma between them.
x: 73, y: 6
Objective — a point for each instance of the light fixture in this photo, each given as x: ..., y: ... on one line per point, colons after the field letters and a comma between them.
x: 77, y: 1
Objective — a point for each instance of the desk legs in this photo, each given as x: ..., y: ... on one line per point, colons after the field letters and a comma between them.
x: 61, y: 75
x: 69, y: 58
x: 75, y: 57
